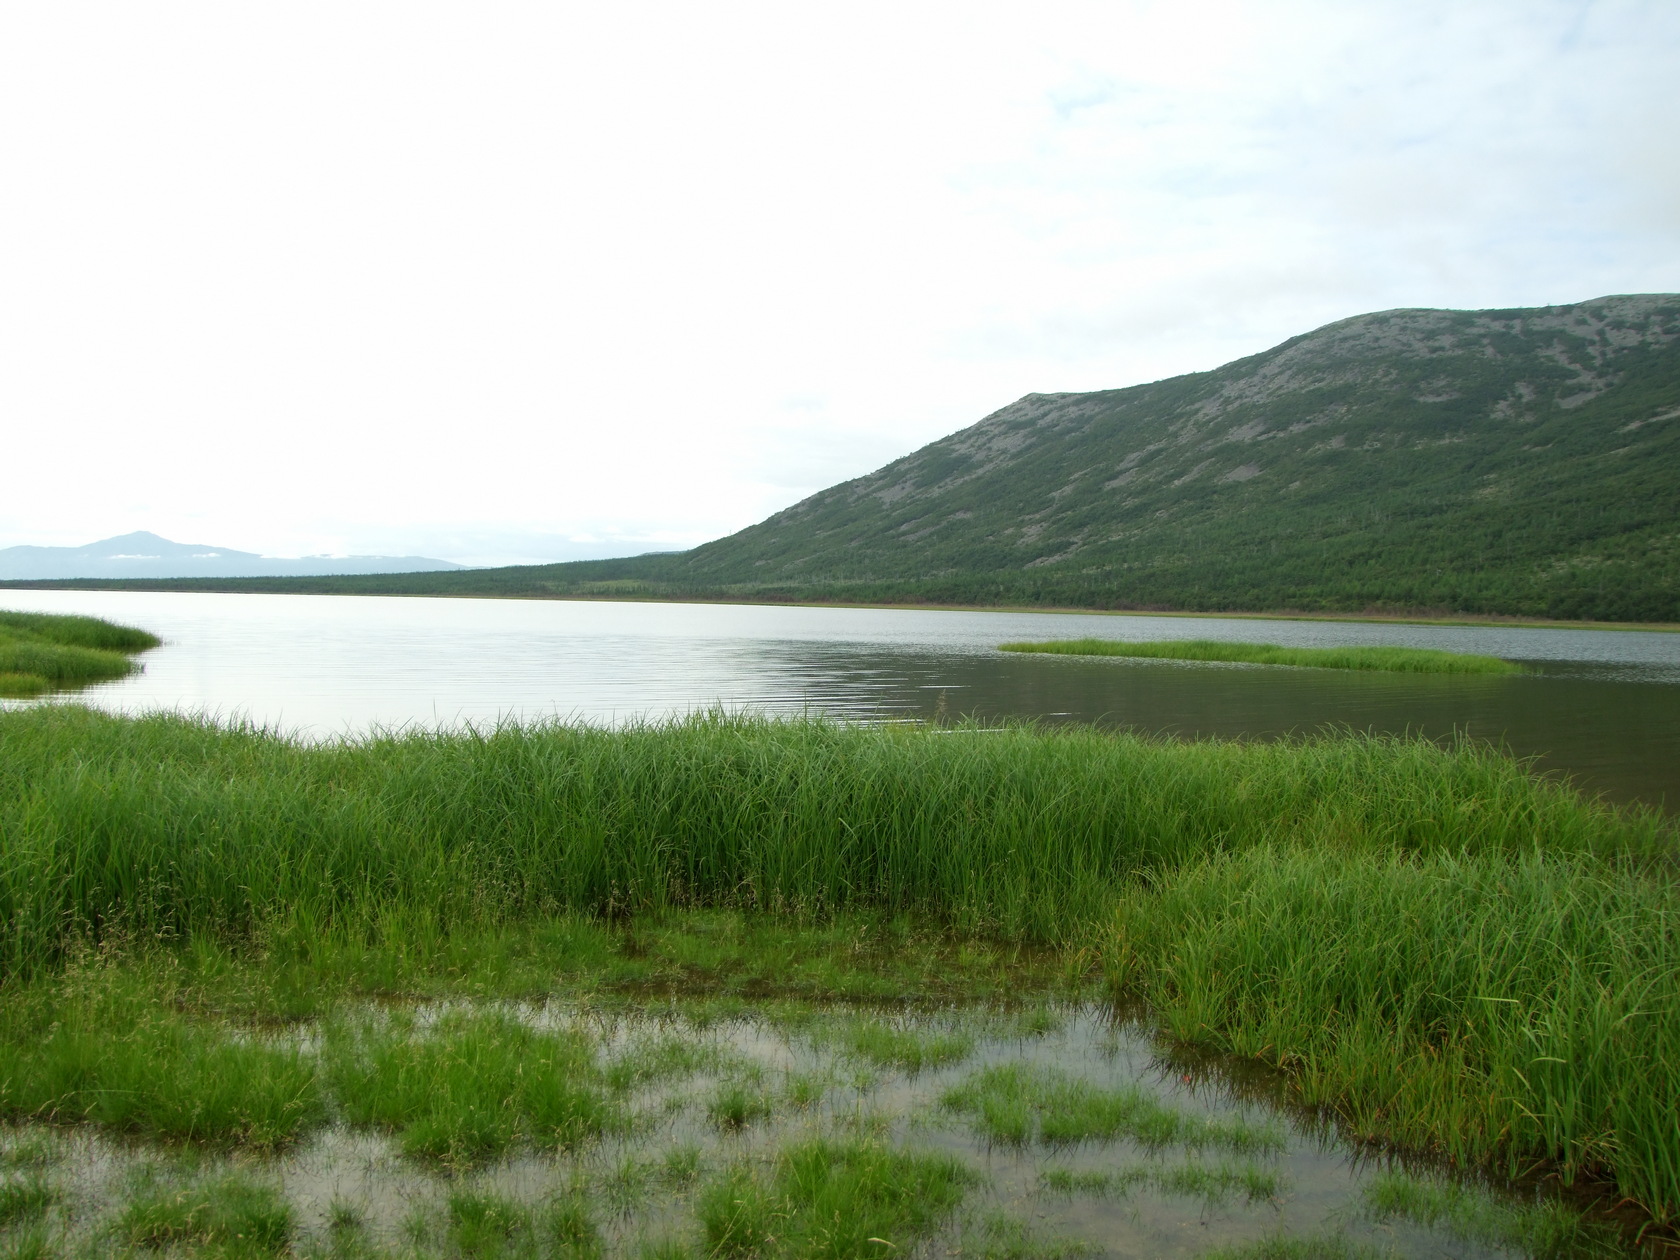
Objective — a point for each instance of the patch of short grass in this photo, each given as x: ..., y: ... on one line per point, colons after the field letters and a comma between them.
x: 1309, y: 1247
x: 1213, y: 1182
x: 486, y: 1225
x: 661, y: 1057
x: 736, y: 1103
x: 1001, y: 1237
x: 33, y: 1243
x: 25, y: 1198
x: 893, y: 1043
x: 1398, y: 659
x: 1543, y: 1228
x: 568, y: 1226
x: 230, y: 1216
x: 831, y: 1199
x: 1015, y: 1104
x: 471, y: 1087
x: 101, y: 1047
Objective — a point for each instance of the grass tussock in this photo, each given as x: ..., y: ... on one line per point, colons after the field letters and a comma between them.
x: 100, y: 1047
x: 894, y: 1044
x: 229, y: 1216
x: 831, y: 1199
x: 470, y: 1088
x: 1492, y: 1008
x: 41, y: 652
x: 1399, y: 659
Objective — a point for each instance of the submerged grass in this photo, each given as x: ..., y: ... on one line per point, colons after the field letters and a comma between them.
x: 1214, y: 1183
x: 42, y: 652
x: 1013, y: 1104
x: 1541, y: 1229
x: 1400, y: 659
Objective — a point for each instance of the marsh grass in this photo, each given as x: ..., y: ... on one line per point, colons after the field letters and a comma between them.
x: 470, y: 1088
x: 42, y: 652
x: 1542, y: 1229
x: 25, y: 1198
x: 1398, y: 659
x: 1499, y: 1010
x: 1448, y: 952
x: 899, y: 1045
x: 169, y: 826
x: 661, y: 1057
x: 1214, y: 1183
x: 488, y: 1226
x: 100, y: 1047
x: 33, y: 1243
x: 1312, y: 1247
x: 228, y: 1216
x: 737, y: 1103
x: 1003, y: 1237
x: 1015, y: 1104
x: 831, y: 1199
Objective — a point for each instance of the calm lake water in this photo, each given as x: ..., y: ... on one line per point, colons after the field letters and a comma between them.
x: 1602, y: 706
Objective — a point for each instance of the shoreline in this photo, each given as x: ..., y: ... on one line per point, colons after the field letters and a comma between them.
x: 1509, y: 620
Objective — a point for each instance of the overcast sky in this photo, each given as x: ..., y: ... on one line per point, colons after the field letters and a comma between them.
x: 500, y: 282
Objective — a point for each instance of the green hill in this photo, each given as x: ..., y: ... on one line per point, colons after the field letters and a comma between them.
x: 1510, y: 461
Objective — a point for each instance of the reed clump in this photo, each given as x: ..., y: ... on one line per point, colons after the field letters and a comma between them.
x: 41, y: 652
x: 1518, y: 1009
x: 1399, y: 659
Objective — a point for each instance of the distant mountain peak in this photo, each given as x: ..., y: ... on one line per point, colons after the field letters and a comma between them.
x: 143, y: 554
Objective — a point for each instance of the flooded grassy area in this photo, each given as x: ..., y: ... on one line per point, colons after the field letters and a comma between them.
x: 797, y: 1129
x: 561, y: 1099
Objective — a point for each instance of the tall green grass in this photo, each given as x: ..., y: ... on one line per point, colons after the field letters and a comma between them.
x: 1521, y: 1009
x: 42, y: 652
x: 168, y: 826
x: 1400, y: 659
x: 1448, y: 951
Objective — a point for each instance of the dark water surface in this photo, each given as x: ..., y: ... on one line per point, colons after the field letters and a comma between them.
x: 1602, y: 706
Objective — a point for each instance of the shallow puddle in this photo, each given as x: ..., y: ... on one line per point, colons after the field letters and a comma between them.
x: 1077, y: 1138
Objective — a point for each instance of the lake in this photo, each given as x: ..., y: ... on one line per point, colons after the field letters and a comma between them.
x: 1602, y: 706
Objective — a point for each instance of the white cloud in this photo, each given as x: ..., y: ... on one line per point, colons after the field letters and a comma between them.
x: 355, y: 277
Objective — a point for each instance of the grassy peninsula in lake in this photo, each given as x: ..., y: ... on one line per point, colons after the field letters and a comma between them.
x: 453, y: 945
x: 41, y: 652
x: 1399, y: 659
